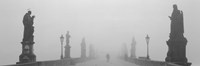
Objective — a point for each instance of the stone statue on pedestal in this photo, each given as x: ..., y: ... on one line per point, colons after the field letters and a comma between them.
x: 27, y: 42
x: 83, y: 48
x: 67, y: 46
x: 177, y: 42
x: 133, y: 48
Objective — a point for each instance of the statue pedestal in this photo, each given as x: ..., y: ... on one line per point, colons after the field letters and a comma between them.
x: 133, y: 51
x: 177, y: 51
x: 27, y: 53
x: 83, y: 53
x: 67, y: 51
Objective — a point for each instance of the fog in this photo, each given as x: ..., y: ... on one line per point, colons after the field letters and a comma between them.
x: 106, y: 24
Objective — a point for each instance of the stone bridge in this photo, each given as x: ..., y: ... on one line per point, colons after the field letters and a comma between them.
x: 98, y: 62
x: 176, y: 55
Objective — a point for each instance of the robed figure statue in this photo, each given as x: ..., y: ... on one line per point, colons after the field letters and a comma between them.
x: 28, y: 27
x: 176, y: 18
x: 27, y: 42
x: 177, y: 42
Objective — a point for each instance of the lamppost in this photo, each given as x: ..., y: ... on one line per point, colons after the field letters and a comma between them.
x: 147, y: 40
x: 61, y: 40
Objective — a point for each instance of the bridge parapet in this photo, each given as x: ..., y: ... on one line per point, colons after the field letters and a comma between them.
x: 63, y: 62
x: 80, y: 60
x: 143, y: 62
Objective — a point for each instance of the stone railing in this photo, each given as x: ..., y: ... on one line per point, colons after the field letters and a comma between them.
x: 80, y: 60
x: 63, y: 62
x: 145, y: 62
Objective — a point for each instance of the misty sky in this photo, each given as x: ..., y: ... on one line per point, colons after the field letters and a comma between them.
x: 105, y: 23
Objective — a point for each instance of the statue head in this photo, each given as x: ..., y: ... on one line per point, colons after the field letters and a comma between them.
x: 175, y: 7
x: 29, y: 12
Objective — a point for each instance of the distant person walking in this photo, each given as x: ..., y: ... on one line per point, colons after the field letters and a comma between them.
x: 108, y: 57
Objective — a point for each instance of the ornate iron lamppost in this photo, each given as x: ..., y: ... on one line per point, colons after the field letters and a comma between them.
x: 147, y: 40
x: 61, y: 40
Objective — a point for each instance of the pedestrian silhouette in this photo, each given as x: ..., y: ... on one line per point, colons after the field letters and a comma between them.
x: 108, y: 57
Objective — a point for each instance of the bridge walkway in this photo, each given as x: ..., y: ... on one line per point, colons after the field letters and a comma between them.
x: 103, y: 62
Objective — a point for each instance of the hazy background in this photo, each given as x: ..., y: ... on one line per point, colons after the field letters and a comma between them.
x: 104, y: 23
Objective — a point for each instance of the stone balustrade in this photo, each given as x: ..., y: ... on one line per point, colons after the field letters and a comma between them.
x: 63, y: 62
x: 143, y: 62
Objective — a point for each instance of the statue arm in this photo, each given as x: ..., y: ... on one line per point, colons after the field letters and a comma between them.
x: 181, y: 15
x: 170, y: 17
x: 32, y: 17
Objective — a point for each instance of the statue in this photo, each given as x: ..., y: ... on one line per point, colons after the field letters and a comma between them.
x: 67, y: 37
x: 27, y: 54
x: 83, y: 48
x: 176, y: 22
x: 28, y: 27
x: 133, y: 48
x: 177, y: 42
x: 67, y: 46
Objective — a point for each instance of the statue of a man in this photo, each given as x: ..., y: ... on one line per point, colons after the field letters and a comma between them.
x: 28, y: 27
x: 67, y: 37
x: 176, y: 21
